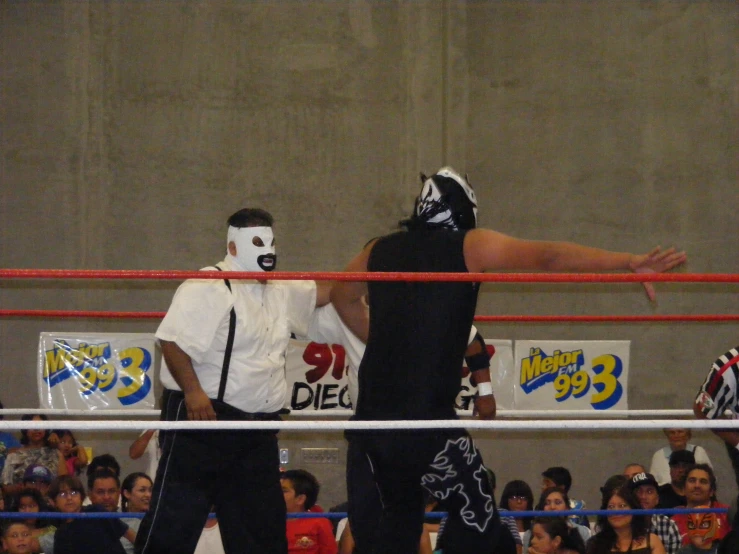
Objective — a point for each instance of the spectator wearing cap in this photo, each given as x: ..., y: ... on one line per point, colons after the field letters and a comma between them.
x: 561, y: 478
x: 645, y: 487
x: 672, y: 494
x: 678, y: 440
x: 38, y: 477
x: 702, y: 530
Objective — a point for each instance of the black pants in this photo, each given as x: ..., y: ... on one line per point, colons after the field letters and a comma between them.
x: 236, y: 472
x: 386, y: 474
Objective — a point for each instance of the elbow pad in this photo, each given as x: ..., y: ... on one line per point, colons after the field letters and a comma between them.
x: 480, y: 360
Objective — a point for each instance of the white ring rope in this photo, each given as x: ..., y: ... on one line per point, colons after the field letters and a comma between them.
x: 535, y: 425
x: 346, y: 413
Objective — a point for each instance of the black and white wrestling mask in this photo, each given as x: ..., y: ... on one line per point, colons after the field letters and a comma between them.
x: 447, y: 200
x: 255, y: 248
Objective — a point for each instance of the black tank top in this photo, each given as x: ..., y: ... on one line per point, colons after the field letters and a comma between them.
x: 411, y: 368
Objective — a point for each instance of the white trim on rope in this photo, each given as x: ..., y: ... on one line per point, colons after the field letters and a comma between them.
x: 535, y: 425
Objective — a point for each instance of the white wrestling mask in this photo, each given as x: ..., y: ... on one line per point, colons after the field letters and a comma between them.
x: 249, y: 256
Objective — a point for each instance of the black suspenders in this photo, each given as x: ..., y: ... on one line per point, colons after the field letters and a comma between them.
x: 229, y: 346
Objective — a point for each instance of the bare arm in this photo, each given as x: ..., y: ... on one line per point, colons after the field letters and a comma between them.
x: 348, y: 297
x: 486, y: 250
x: 199, y: 406
x: 130, y: 534
x: 323, y: 293
x: 346, y: 541
x: 81, y: 460
x: 62, y: 469
x: 729, y: 436
x: 138, y: 447
x: 485, y: 404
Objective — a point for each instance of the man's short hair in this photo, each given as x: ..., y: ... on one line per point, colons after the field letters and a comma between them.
x: 708, y: 469
x: 251, y: 217
x: 70, y: 482
x: 560, y: 476
x: 104, y: 461
x: 102, y: 473
x: 303, y: 482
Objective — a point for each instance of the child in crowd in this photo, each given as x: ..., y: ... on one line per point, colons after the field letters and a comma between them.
x: 16, y: 538
x: 31, y: 502
x: 305, y: 535
x: 74, y: 454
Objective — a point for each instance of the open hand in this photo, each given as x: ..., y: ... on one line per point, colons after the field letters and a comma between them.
x: 199, y: 406
x: 656, y: 261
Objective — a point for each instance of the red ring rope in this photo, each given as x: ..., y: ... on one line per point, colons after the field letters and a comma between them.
x: 377, y: 276
x: 62, y: 314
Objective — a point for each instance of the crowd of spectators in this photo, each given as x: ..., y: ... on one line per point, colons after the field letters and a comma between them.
x: 42, y: 471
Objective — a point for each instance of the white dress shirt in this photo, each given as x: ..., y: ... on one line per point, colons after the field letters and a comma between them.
x: 266, y: 314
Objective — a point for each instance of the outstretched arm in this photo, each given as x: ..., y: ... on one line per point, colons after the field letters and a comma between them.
x: 486, y: 250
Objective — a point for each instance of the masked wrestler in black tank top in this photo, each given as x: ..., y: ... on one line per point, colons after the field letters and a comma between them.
x: 418, y: 330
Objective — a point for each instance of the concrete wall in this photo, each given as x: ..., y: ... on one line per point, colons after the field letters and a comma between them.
x: 130, y: 131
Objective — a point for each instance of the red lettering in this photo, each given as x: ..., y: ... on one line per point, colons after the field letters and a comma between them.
x: 318, y: 355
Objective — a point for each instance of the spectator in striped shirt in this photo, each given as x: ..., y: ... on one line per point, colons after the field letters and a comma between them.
x: 717, y: 395
x: 644, y: 486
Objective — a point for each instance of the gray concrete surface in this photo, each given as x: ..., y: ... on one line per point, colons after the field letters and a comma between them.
x: 130, y: 131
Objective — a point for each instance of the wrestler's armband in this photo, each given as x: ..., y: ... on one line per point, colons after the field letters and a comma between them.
x: 480, y: 361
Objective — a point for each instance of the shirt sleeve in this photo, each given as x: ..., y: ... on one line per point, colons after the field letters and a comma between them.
x: 719, y: 391
x: 324, y: 327
x: 198, y: 309
x: 300, y: 299
x: 672, y: 543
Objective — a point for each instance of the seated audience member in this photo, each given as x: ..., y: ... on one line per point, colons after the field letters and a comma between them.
x: 701, y: 529
x: 518, y: 497
x: 31, y: 502
x: 16, y: 538
x: 210, y: 541
x: 644, y: 486
x: 624, y: 533
x: 554, y: 499
x: 39, y: 478
x: 147, y: 445
x: 305, y: 535
x: 36, y: 448
x: 634, y: 469
x: 74, y: 454
x: 672, y: 495
x: 506, y: 520
x: 8, y: 443
x: 560, y: 477
x: 135, y: 497
x: 678, y: 440
x: 105, y: 490
x: 76, y: 536
x: 552, y: 535
x: 102, y: 463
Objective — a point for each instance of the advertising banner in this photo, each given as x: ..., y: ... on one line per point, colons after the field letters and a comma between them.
x: 317, y: 376
x: 571, y: 375
x: 96, y: 371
